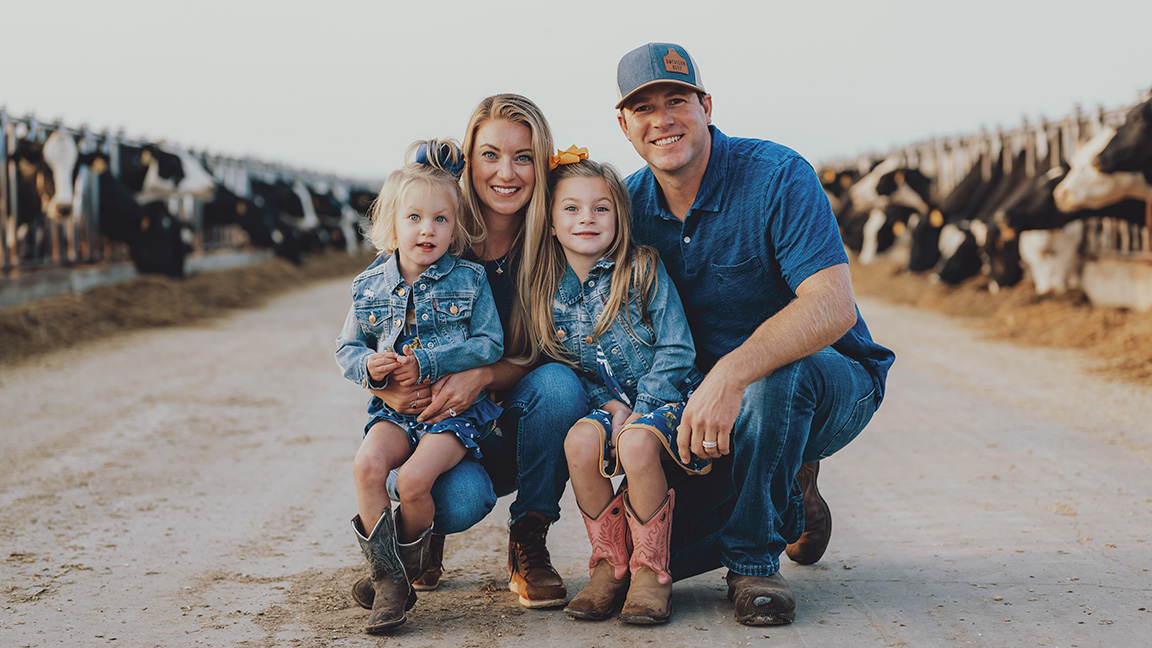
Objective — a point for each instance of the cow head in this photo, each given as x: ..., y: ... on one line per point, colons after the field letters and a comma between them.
x: 1086, y: 187
x: 1131, y: 148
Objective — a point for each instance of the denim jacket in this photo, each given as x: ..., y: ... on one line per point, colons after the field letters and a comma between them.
x: 655, y: 369
x: 456, y: 319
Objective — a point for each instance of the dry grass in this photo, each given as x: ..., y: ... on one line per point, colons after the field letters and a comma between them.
x: 1120, y: 338
x: 30, y: 329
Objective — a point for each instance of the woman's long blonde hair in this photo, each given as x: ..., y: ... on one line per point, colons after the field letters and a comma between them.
x: 634, y: 272
x: 518, y: 110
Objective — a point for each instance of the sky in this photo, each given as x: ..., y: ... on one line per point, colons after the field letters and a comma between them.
x: 344, y: 87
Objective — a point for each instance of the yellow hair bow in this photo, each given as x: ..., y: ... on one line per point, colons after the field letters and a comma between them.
x: 571, y: 156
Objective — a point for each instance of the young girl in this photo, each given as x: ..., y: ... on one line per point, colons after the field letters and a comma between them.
x: 418, y: 315
x: 608, y: 308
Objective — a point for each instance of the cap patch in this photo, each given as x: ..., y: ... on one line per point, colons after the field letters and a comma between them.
x: 673, y: 62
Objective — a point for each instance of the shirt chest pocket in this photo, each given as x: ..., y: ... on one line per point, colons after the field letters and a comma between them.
x: 452, y: 317
x: 748, y: 282
x: 375, y: 321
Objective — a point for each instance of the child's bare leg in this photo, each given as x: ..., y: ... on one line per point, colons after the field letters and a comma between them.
x: 640, y: 453
x: 384, y: 448
x: 433, y: 456
x: 582, y: 448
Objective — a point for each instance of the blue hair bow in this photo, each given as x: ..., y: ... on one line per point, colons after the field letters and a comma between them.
x: 446, y: 156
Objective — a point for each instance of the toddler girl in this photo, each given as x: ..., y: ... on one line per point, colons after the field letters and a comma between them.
x: 418, y: 315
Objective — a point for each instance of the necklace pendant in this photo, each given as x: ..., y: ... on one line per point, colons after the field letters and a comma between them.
x: 499, y: 270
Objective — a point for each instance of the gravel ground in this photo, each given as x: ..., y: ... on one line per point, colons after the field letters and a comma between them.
x: 190, y: 485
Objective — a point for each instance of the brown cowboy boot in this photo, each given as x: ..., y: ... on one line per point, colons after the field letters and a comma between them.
x: 817, y: 519
x: 761, y: 600
x: 650, y: 593
x: 417, y: 557
x: 608, y: 566
x: 530, y: 570
x: 429, y: 579
x: 364, y: 592
x: 392, y: 594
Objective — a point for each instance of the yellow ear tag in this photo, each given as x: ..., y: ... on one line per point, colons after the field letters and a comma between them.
x: 829, y: 175
x: 99, y: 166
x: 241, y: 208
x: 898, y: 228
x: 936, y: 219
x: 1008, y: 234
x: 146, y: 157
x: 845, y: 181
x: 899, y: 177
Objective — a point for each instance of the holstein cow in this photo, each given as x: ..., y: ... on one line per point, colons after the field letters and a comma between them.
x: 1087, y: 187
x: 45, y: 187
x: 263, y: 227
x: 879, y: 206
x: 1131, y: 148
x: 154, y: 237
x: 154, y: 173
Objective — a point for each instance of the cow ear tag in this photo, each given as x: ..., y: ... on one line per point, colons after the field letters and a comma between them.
x: 936, y: 219
x: 241, y: 208
x: 898, y: 228
x: 99, y: 166
x: 146, y: 157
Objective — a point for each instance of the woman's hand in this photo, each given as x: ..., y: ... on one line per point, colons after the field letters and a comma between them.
x: 454, y: 393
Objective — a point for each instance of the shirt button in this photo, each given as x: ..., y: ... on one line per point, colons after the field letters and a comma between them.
x: 614, y: 350
x: 431, y: 345
x: 588, y: 339
x: 424, y: 316
x: 687, y: 239
x: 591, y: 283
x: 629, y: 381
x: 559, y: 333
x: 398, y: 322
x: 423, y: 286
x: 453, y: 310
x: 372, y: 319
x: 401, y: 292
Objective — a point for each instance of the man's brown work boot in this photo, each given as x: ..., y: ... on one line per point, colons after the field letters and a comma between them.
x: 429, y: 579
x: 817, y: 519
x: 530, y: 570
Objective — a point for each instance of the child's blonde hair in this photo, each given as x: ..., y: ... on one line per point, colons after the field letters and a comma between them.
x: 434, y: 174
x: 634, y: 272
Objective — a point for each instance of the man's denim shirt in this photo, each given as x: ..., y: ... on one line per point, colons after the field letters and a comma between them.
x: 760, y: 225
x: 654, y: 367
x: 456, y: 319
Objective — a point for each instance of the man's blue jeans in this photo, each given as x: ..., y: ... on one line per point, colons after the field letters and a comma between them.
x: 537, y: 415
x: 749, y: 507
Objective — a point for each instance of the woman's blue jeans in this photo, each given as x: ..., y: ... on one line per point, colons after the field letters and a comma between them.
x: 524, y: 454
x: 744, y: 512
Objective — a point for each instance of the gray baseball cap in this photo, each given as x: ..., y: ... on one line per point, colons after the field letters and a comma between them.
x: 656, y: 63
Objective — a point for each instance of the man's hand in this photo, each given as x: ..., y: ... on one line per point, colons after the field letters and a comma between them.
x: 709, y: 416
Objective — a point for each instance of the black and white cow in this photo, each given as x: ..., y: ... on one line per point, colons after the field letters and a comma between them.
x: 1131, y: 148
x: 1087, y: 187
x: 154, y: 173
x: 46, y: 190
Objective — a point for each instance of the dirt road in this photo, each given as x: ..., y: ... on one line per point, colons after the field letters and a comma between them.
x: 192, y: 487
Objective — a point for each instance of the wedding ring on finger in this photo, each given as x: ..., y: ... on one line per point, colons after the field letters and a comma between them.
x: 708, y: 444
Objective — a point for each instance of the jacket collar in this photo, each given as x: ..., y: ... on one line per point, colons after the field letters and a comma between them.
x: 570, y: 290
x: 390, y: 270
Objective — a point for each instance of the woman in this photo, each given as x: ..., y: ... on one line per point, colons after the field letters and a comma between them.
x: 506, y: 150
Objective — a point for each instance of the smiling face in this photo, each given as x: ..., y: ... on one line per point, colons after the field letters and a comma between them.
x: 501, y: 167
x: 668, y: 127
x: 424, y: 229
x: 583, y: 220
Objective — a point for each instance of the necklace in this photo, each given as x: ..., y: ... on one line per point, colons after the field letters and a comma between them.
x: 500, y: 264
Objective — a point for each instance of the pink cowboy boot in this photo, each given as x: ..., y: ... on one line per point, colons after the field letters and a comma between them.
x: 608, y: 566
x: 650, y: 594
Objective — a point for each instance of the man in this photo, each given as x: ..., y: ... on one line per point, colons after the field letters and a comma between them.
x: 792, y: 374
